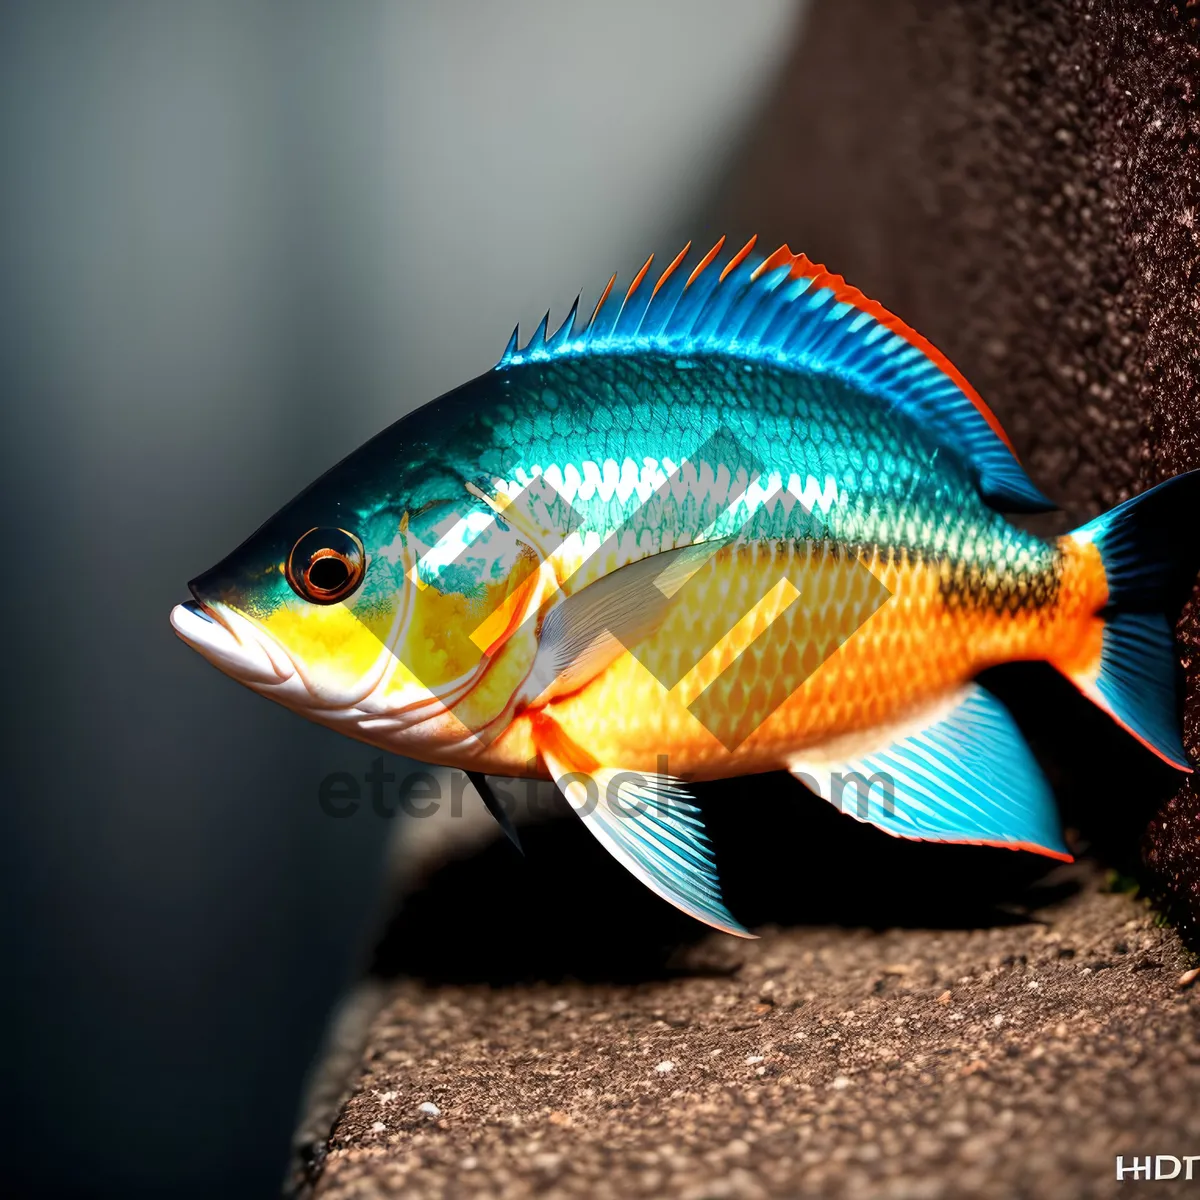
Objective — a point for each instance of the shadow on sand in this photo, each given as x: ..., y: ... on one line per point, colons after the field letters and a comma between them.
x: 566, y: 909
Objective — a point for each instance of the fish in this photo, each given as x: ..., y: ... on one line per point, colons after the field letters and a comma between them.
x: 741, y: 519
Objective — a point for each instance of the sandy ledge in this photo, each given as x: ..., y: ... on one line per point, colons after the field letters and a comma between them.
x: 1015, y: 1060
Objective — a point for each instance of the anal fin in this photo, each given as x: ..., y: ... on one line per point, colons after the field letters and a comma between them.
x: 960, y: 773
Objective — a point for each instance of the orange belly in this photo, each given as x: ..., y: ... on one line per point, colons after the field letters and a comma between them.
x: 817, y: 657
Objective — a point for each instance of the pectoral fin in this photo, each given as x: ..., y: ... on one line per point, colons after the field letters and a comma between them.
x: 647, y: 822
x: 962, y: 773
x: 590, y: 629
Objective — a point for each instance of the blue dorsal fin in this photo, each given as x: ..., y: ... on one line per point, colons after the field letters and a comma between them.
x: 790, y: 312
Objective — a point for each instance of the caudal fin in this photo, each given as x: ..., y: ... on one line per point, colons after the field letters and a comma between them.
x: 1150, y: 549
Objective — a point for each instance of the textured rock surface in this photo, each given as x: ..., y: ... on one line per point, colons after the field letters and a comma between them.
x: 1020, y: 179
x: 995, y: 1062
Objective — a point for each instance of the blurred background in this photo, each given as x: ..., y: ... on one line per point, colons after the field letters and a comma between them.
x: 236, y: 240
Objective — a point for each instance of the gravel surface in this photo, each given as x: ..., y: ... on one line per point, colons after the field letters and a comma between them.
x: 1015, y: 1060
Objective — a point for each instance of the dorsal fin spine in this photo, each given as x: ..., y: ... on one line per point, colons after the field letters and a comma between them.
x: 630, y: 317
x: 734, y: 315
x: 696, y: 293
x: 513, y: 344
x: 600, y: 303
x: 670, y: 270
x: 660, y: 311
x: 537, y: 344
x: 737, y: 260
x: 721, y: 299
x: 705, y: 263
x: 567, y: 328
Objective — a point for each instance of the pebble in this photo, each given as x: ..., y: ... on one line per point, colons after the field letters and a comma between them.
x: 429, y: 1109
x: 665, y: 1066
x: 1189, y: 977
x: 944, y: 998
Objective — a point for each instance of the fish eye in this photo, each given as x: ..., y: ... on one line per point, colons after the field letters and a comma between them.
x: 326, y: 565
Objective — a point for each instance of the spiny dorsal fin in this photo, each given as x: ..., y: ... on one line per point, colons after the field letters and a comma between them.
x: 791, y: 312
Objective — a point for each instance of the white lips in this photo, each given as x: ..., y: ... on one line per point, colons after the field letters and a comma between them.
x: 241, y: 654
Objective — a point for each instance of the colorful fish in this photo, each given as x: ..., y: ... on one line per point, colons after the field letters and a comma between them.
x: 744, y: 519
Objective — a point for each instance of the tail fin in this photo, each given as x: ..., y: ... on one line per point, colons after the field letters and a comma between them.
x: 1150, y: 549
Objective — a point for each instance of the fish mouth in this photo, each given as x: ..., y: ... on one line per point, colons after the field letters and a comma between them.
x: 197, y: 610
x: 231, y: 642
